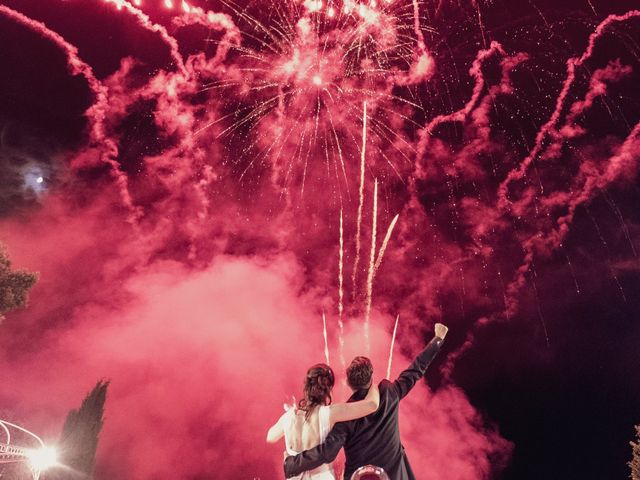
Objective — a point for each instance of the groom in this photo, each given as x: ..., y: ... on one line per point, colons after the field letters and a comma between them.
x: 374, y: 439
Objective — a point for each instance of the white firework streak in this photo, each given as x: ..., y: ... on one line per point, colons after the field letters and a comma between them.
x: 393, y: 341
x: 341, y: 293
x: 371, y: 266
x: 361, y: 196
x: 385, y: 242
x: 324, y: 333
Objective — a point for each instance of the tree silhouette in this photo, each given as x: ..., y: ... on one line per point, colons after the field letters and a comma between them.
x: 14, y: 285
x: 80, y: 433
x: 635, y: 459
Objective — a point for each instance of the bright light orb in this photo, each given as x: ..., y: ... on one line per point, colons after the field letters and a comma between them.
x: 317, y: 80
x: 34, y: 180
x: 43, y: 458
x: 313, y: 5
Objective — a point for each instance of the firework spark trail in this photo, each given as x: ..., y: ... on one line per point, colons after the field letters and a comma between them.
x: 340, y: 156
x: 168, y: 90
x: 623, y: 224
x: 371, y: 272
x: 385, y: 242
x: 416, y: 27
x: 548, y: 128
x: 324, y: 334
x: 422, y: 66
x: 481, y: 24
x: 291, y: 46
x: 194, y: 16
x: 341, y: 293
x: 459, y: 115
x: 145, y: 22
x: 539, y: 309
x: 607, y: 250
x: 476, y: 72
x: 597, y: 88
x: 96, y: 113
x: 476, y: 114
x: 590, y: 180
x: 215, y: 21
x: 356, y: 262
x: 546, y: 150
x: 393, y: 341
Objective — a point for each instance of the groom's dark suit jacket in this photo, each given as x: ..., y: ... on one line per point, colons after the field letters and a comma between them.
x: 374, y: 439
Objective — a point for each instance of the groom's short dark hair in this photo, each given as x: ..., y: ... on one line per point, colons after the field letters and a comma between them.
x: 359, y: 373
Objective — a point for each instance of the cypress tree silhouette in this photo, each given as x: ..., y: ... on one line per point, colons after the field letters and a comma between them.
x: 79, y: 440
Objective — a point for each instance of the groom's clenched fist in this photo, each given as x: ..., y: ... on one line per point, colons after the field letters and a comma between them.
x: 441, y: 330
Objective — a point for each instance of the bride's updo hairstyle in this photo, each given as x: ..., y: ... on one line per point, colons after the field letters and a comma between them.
x: 317, y: 388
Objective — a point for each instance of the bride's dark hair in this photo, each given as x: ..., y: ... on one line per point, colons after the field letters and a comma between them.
x: 317, y: 388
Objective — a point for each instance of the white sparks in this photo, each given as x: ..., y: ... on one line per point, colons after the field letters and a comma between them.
x: 393, y: 341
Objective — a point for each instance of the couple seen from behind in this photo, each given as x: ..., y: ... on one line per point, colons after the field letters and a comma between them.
x: 366, y: 426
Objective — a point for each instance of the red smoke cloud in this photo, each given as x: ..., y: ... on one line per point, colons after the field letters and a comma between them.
x: 200, y: 360
x: 195, y: 273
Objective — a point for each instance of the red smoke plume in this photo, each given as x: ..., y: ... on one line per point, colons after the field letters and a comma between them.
x: 194, y: 275
x: 201, y: 361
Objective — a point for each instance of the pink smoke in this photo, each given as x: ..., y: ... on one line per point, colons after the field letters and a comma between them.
x: 204, y: 306
x: 97, y: 112
x: 200, y: 360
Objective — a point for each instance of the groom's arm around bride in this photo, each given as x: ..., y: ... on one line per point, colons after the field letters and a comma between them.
x: 373, y: 439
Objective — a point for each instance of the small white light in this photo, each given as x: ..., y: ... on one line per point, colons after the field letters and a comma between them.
x: 39, y: 180
x: 317, y: 80
x: 43, y: 458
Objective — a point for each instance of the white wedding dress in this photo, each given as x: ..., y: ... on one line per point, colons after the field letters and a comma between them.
x: 325, y: 471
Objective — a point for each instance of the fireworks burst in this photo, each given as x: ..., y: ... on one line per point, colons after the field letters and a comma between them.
x: 332, y: 94
x: 297, y: 128
x: 301, y: 76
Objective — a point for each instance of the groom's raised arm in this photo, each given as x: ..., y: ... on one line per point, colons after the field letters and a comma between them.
x: 324, y: 453
x: 408, y: 378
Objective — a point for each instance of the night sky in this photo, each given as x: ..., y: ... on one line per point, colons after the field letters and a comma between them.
x: 178, y: 181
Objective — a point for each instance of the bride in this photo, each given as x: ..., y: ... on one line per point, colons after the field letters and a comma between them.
x: 307, y: 425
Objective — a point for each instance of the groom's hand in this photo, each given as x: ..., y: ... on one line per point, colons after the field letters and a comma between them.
x: 441, y: 330
x: 284, y: 465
